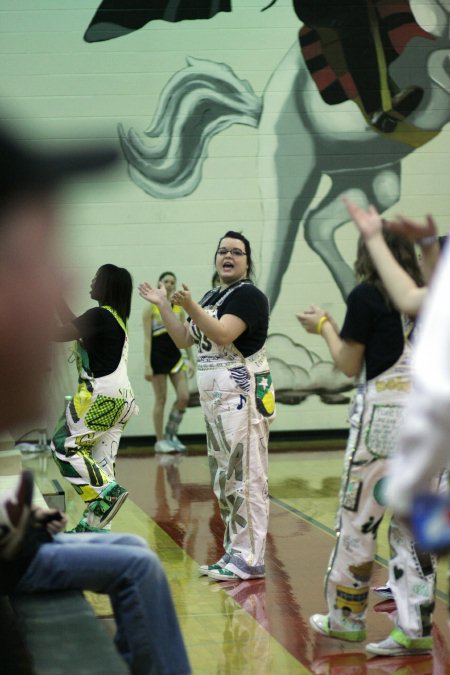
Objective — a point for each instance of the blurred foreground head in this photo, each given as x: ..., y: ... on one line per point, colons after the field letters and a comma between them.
x: 29, y: 281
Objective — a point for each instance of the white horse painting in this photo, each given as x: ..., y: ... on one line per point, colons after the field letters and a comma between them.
x: 301, y: 139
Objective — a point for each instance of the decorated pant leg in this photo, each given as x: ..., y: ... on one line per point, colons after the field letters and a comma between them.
x: 75, y: 439
x: 104, y: 452
x: 412, y: 577
x: 351, y: 564
x: 237, y: 449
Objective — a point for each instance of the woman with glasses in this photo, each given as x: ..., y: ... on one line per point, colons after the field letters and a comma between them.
x: 229, y: 326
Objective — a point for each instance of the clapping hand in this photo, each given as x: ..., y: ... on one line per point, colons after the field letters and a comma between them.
x: 151, y: 294
x: 182, y: 297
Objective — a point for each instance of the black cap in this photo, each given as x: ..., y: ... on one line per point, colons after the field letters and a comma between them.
x: 24, y: 170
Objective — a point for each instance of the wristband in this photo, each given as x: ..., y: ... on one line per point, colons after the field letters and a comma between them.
x: 428, y: 241
x: 320, y: 324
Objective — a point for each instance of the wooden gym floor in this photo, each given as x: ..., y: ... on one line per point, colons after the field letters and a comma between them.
x: 261, y: 626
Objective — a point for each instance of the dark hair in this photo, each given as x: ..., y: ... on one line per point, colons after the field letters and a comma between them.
x: 113, y: 287
x: 404, y: 253
x: 238, y: 235
x: 164, y: 274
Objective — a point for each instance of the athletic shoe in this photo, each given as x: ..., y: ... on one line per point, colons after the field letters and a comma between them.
x: 165, y: 446
x: 222, y: 574
x: 106, y: 506
x: 83, y: 526
x: 205, y: 569
x: 177, y: 444
x: 384, y: 592
x: 320, y: 624
x: 389, y: 647
x: 15, y: 510
x: 225, y: 574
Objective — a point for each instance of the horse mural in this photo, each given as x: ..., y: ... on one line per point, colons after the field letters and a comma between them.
x: 301, y: 139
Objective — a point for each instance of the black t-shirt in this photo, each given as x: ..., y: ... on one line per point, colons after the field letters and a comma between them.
x: 249, y: 304
x: 102, y: 338
x: 371, y: 322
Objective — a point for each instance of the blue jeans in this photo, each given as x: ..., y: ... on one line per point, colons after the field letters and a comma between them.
x: 122, y: 566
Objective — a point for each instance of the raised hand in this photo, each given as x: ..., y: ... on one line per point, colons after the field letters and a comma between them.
x: 368, y: 221
x: 151, y: 294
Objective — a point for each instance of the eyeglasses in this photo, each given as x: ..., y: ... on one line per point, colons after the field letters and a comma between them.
x: 235, y: 252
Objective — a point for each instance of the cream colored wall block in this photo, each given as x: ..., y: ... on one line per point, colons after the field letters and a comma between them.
x: 10, y: 462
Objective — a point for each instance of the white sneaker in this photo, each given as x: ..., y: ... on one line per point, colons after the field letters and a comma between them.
x: 165, y: 446
x: 320, y: 624
x: 222, y: 574
x: 205, y: 569
x: 389, y: 647
x: 177, y: 443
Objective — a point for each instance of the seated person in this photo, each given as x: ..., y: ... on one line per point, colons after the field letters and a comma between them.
x: 35, y: 556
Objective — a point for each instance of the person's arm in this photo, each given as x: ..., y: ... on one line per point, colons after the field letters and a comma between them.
x: 188, y: 350
x: 222, y: 331
x: 403, y: 291
x: 66, y: 333
x: 348, y: 355
x: 64, y: 312
x: 178, y: 332
x: 147, y: 325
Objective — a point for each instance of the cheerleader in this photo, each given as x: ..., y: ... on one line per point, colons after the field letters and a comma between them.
x: 163, y: 361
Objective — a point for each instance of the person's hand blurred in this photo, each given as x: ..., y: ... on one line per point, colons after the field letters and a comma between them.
x: 190, y: 367
x: 368, y: 221
x: 53, y: 520
x: 148, y: 375
x: 412, y: 229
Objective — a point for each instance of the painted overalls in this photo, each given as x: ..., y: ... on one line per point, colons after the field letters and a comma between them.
x: 374, y: 424
x: 88, y: 433
x: 237, y: 398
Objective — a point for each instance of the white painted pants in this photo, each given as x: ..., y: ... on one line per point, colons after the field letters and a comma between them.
x: 374, y: 423
x: 234, y: 399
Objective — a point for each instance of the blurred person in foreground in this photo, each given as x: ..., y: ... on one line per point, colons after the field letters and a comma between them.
x: 424, y: 448
x: 34, y: 555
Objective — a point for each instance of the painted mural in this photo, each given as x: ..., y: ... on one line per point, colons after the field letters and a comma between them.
x: 255, y: 115
x: 364, y: 86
